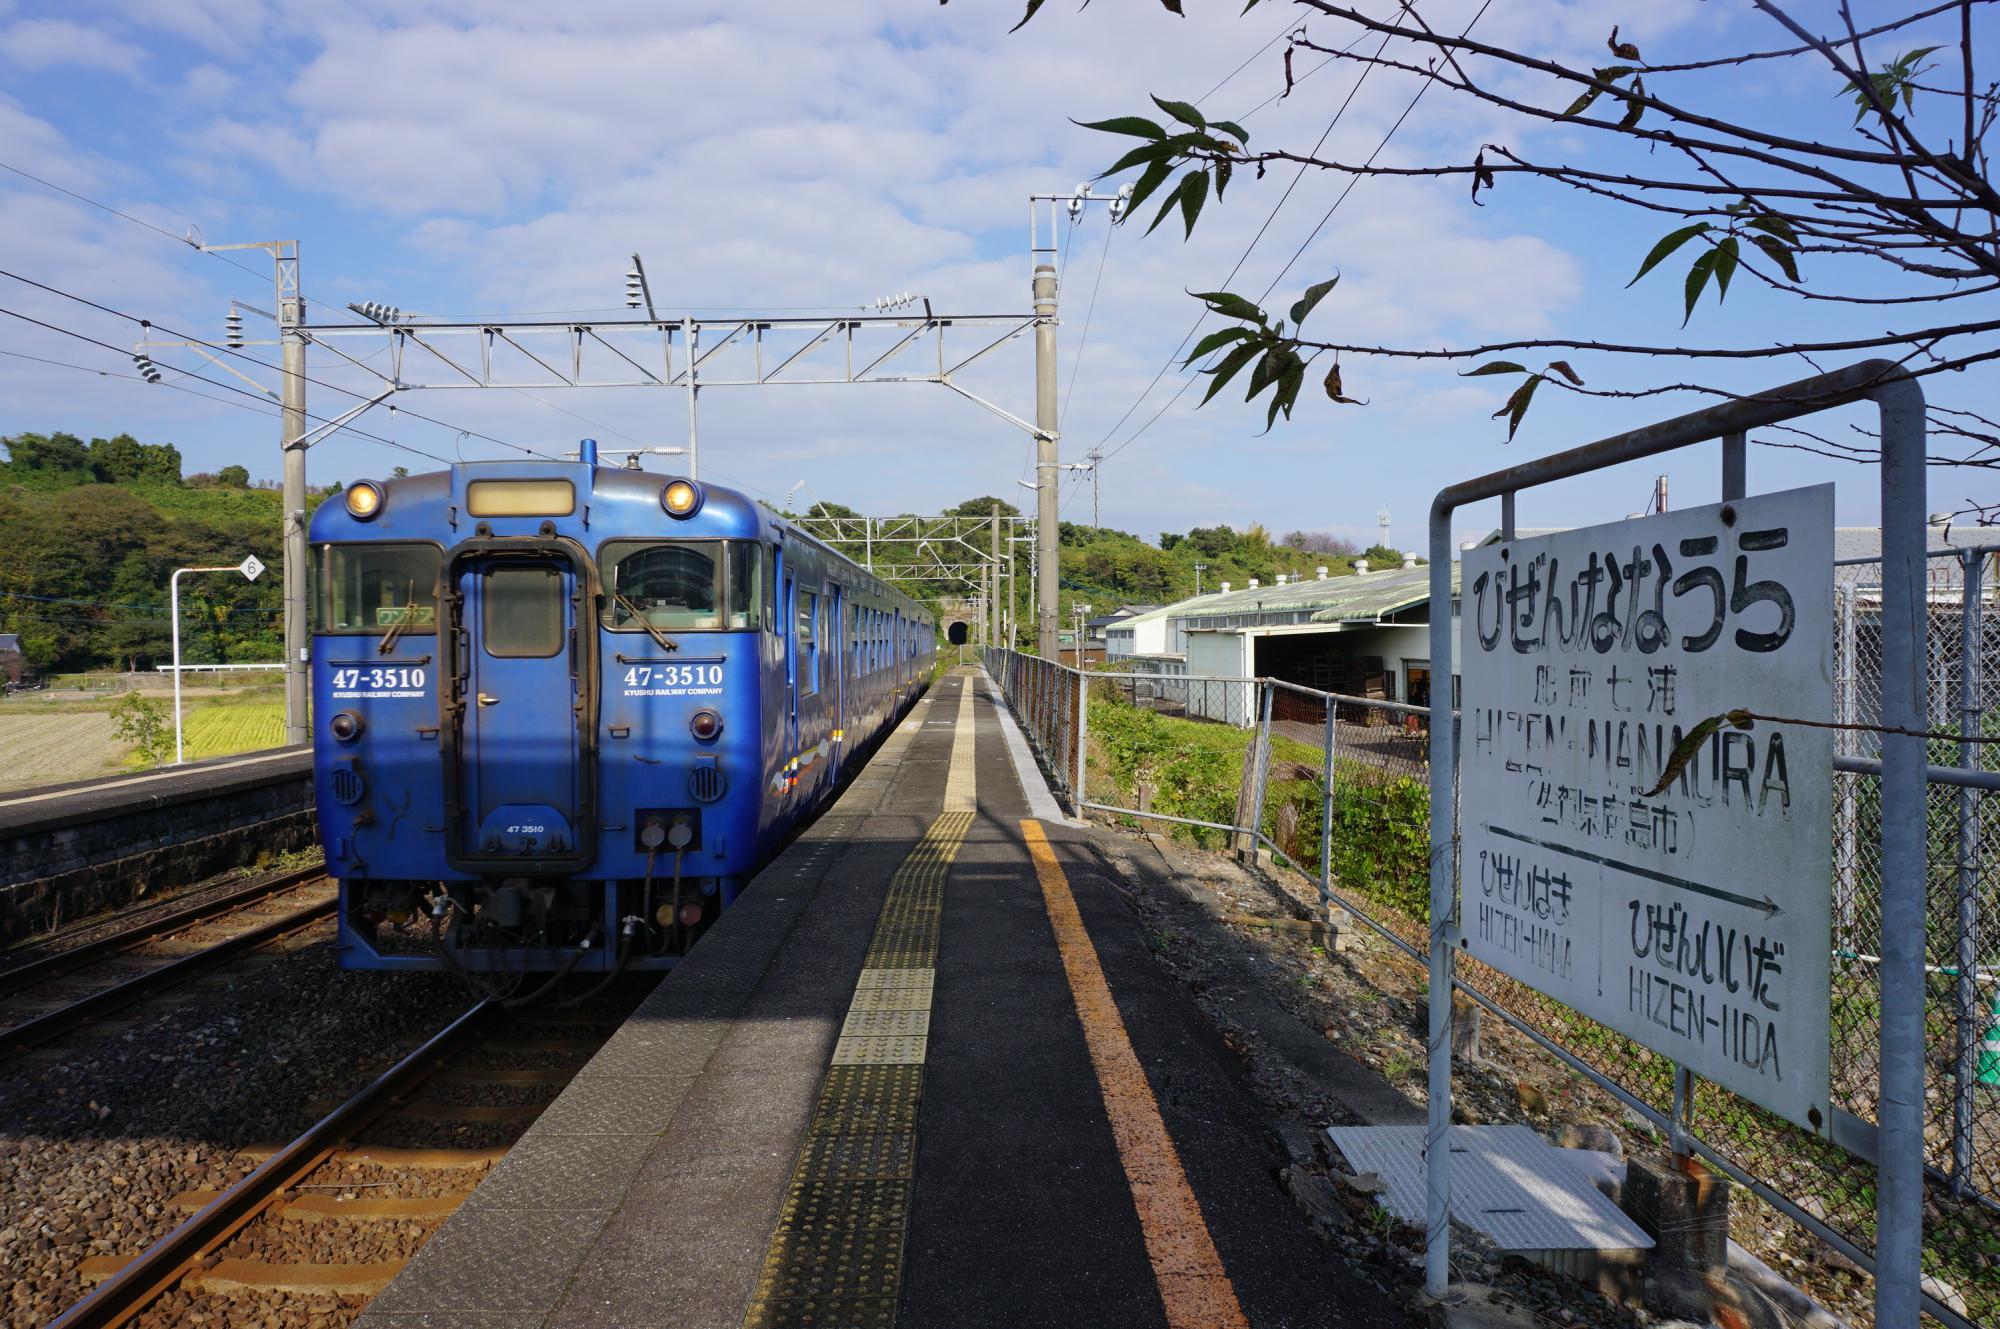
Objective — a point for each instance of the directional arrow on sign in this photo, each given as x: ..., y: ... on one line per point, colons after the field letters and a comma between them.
x: 1767, y: 906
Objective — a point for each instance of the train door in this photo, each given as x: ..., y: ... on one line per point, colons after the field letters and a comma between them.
x: 521, y: 787
x: 790, y: 600
x: 836, y: 645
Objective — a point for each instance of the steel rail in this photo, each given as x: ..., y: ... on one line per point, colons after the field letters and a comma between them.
x: 63, y: 1019
x: 124, y: 1295
x: 61, y: 962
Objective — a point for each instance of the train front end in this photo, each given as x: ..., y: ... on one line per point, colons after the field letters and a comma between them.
x: 536, y: 709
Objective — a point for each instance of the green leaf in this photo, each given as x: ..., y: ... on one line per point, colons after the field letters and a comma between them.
x: 1172, y: 7
x: 1635, y: 107
x: 1230, y: 306
x: 1155, y: 176
x: 1181, y: 111
x: 1145, y: 152
x: 1726, y: 259
x: 1562, y: 367
x: 1314, y: 294
x: 1287, y: 393
x: 1778, y: 254
x: 1669, y: 242
x: 1265, y: 373
x: 1497, y: 367
x: 1231, y: 128
x: 1172, y: 199
x: 1194, y: 193
x: 1517, y: 405
x: 1698, y: 275
x: 1212, y: 341
x: 1136, y: 125
x: 1772, y: 223
x: 1033, y: 5
x: 1227, y: 370
x: 1223, y: 170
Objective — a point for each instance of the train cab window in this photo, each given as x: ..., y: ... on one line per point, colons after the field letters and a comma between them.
x: 679, y: 585
x: 373, y: 588
x: 521, y: 611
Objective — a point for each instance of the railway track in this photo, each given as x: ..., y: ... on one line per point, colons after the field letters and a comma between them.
x: 323, y: 1223
x: 46, y: 998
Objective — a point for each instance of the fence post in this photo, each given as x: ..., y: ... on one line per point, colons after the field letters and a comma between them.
x: 1326, y: 824
x: 1261, y: 770
x: 1082, y: 740
x: 1970, y: 1021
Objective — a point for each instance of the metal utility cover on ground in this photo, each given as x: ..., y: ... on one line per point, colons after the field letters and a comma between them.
x: 1506, y: 1181
x: 1694, y: 920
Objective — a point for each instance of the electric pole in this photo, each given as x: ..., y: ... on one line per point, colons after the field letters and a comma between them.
x: 993, y: 636
x: 1199, y: 568
x: 292, y: 443
x: 1094, y: 456
x: 1047, y: 469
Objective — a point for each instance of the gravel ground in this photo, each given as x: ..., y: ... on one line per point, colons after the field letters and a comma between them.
x: 1226, y: 930
x: 29, y: 949
x: 96, y: 1140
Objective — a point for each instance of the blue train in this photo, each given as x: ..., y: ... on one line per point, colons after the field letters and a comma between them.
x: 561, y: 713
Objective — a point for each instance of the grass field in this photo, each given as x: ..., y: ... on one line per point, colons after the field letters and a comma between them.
x: 44, y: 742
x: 219, y: 730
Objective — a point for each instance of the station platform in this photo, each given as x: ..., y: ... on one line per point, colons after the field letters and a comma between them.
x: 923, y: 1073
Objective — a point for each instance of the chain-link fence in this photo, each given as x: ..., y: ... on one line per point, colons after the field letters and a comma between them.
x: 1338, y: 787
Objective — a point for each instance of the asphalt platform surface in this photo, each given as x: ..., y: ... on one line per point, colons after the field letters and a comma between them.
x: 1003, y: 1173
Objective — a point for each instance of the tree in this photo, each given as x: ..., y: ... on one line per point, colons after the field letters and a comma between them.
x: 1382, y: 556
x: 983, y: 506
x: 1319, y: 542
x: 141, y: 721
x: 1893, y: 212
x: 236, y: 477
x: 48, y: 454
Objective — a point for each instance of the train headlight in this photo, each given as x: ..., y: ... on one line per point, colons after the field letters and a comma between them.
x: 705, y: 725
x: 681, y: 498
x: 364, y: 500
x: 345, y: 726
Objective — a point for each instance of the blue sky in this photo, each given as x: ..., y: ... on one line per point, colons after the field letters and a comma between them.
x: 455, y: 157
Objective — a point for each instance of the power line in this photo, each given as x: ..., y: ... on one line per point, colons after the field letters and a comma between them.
x: 1255, y: 240
x: 243, y: 355
x: 227, y: 387
x: 1084, y: 340
x: 1352, y: 180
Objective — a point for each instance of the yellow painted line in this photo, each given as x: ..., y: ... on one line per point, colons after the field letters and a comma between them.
x: 1193, y: 1286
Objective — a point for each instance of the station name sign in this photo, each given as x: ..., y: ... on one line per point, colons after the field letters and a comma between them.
x: 1691, y: 916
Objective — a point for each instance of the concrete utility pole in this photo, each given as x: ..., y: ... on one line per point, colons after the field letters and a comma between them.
x: 298, y: 638
x: 1093, y: 457
x: 995, y: 639
x: 292, y: 442
x: 1047, y: 469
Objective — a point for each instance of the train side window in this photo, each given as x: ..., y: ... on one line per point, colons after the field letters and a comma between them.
x: 808, y: 635
x: 374, y: 587
x: 522, y: 612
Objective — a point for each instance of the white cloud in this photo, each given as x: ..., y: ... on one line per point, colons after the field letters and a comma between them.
x: 46, y: 43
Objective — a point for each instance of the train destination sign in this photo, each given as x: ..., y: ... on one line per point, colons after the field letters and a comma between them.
x: 1692, y: 917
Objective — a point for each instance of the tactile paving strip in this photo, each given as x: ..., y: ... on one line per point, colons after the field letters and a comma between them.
x: 837, y: 1255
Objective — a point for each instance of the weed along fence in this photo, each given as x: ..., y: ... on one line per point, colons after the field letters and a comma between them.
x: 1819, y: 1016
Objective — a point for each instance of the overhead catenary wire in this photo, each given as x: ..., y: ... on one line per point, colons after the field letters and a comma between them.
x: 221, y: 349
x: 227, y: 387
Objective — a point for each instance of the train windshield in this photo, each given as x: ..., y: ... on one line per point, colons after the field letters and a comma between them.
x: 374, y: 587
x: 680, y: 585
